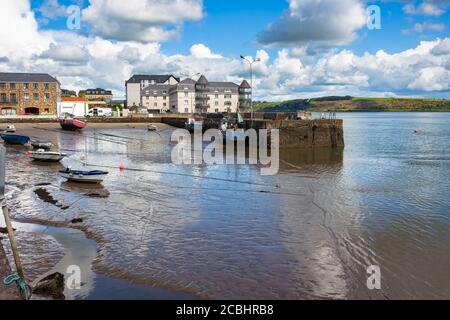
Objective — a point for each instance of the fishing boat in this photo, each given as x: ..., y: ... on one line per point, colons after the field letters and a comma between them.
x: 71, y: 124
x: 46, y: 145
x: 47, y: 156
x: 94, y: 176
x: 15, y: 139
x: 10, y: 129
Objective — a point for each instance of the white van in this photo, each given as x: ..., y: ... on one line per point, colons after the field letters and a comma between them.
x: 100, y: 112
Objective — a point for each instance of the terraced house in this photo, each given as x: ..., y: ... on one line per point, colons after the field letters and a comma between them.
x: 28, y: 93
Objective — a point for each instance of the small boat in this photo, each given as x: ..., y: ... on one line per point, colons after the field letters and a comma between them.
x: 46, y: 145
x: 71, y: 124
x: 94, y: 176
x: 152, y: 128
x: 15, y: 139
x: 47, y: 156
x: 10, y: 129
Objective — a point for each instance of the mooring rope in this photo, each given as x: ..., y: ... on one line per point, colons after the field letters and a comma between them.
x: 25, y: 290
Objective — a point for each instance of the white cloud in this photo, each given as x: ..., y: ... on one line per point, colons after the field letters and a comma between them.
x: 423, y: 27
x: 141, y: 20
x: 67, y: 53
x: 328, y: 22
x: 427, y: 7
x: 201, y: 51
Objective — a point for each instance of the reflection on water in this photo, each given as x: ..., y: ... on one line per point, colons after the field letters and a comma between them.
x: 227, y: 232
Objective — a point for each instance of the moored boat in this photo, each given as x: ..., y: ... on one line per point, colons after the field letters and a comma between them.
x: 15, y: 139
x: 47, y: 156
x: 10, y: 129
x: 46, y: 145
x: 152, y: 128
x: 93, y: 176
x: 71, y: 124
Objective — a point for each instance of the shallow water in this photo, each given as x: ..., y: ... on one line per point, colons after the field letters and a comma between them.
x: 227, y: 232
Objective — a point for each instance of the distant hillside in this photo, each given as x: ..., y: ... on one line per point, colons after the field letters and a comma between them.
x: 348, y: 103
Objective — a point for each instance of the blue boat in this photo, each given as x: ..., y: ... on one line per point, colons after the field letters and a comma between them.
x: 15, y: 139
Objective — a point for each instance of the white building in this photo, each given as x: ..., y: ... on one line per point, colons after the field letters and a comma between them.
x: 73, y: 105
x: 167, y: 94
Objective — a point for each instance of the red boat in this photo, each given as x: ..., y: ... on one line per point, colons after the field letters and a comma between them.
x: 70, y: 124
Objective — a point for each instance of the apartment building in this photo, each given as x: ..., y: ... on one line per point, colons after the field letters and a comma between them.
x: 189, y: 96
x: 28, y: 93
x: 98, y: 94
x: 135, y: 85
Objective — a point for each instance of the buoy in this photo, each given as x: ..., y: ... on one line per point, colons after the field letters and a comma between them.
x: 122, y: 167
x: 416, y: 131
x: 27, y: 154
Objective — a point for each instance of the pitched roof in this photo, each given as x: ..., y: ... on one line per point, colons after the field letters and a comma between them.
x: 138, y: 78
x: 188, y: 81
x: 245, y: 85
x: 26, y: 77
x: 202, y: 80
x: 98, y: 91
x: 223, y: 84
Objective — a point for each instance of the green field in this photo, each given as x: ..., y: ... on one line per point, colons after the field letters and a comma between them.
x: 348, y: 104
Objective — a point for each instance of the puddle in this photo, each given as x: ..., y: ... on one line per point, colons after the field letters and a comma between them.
x: 80, y: 251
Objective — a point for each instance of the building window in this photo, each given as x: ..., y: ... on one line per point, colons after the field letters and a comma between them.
x: 186, y: 94
x: 217, y: 96
x: 227, y: 96
x: 26, y: 96
x: 216, y: 103
x: 47, y: 96
x: 13, y: 98
x: 12, y: 85
x: 217, y: 110
x: 155, y: 104
x: 165, y: 98
x: 36, y: 86
x: 36, y: 96
x: 228, y: 103
x: 186, y: 110
x: 164, y: 104
x: 2, y: 85
x: 46, y: 110
x: 186, y: 102
x: 26, y: 85
x: 3, y: 97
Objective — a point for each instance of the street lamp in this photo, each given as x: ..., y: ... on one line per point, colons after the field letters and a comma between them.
x: 251, y: 62
x: 190, y: 77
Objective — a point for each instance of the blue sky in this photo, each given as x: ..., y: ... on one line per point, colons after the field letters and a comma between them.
x: 230, y: 27
x: 307, y: 47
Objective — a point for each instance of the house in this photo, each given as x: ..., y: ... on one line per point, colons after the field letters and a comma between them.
x: 68, y: 93
x: 73, y: 105
x: 28, y: 93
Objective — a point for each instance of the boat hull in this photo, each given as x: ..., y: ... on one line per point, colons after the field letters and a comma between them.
x: 72, y: 124
x: 87, y: 177
x: 47, y: 157
x: 15, y: 139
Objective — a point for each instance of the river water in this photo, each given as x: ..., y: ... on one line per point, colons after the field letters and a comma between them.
x: 225, y: 231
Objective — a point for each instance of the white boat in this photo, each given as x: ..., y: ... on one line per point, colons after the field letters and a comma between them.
x: 9, y: 129
x: 47, y: 156
x: 94, y: 176
x: 152, y: 128
x: 46, y: 145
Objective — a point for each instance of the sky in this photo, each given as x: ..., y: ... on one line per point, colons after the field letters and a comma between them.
x: 307, y: 48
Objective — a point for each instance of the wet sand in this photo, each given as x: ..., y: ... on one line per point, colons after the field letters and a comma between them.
x: 227, y: 232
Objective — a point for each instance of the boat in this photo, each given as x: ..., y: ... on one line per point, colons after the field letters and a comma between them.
x: 152, y: 128
x: 71, y: 124
x: 94, y: 176
x: 46, y: 145
x: 10, y: 129
x: 47, y: 156
x: 15, y: 139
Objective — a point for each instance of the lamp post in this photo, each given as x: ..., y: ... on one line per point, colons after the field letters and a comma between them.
x: 190, y: 77
x: 251, y: 62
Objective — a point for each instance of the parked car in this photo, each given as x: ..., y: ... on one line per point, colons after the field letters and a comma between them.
x: 100, y: 112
